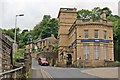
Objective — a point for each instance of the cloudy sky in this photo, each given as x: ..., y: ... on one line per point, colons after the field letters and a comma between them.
x: 34, y: 10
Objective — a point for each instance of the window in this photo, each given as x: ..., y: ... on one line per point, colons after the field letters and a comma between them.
x: 96, y: 34
x: 86, y: 51
x: 104, y: 34
x: 96, y: 51
x: 85, y: 33
x: 105, y: 52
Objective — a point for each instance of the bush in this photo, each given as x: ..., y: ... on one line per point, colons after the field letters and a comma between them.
x: 18, y: 55
x: 113, y: 64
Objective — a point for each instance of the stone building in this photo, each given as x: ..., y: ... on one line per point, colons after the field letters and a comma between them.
x: 29, y: 47
x: 39, y: 45
x: 6, y: 60
x: 43, y: 48
x: 83, y: 39
x: 46, y: 44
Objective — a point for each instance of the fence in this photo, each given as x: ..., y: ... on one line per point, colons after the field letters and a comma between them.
x: 13, y: 74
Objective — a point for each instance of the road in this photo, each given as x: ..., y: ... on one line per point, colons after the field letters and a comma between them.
x: 57, y: 72
x: 60, y: 73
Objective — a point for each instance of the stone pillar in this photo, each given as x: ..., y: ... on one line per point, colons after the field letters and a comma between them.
x: 28, y: 61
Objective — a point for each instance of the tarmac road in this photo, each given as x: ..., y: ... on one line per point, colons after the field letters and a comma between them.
x: 55, y: 73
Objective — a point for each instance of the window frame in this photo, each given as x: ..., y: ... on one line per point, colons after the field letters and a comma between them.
x: 86, y: 51
x: 96, y: 34
x: 105, y: 52
x: 105, y: 34
x: 97, y: 51
x: 86, y: 33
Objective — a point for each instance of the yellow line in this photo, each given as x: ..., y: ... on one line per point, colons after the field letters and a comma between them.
x: 47, y: 74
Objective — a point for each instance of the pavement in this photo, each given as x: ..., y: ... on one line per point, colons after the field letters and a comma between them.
x: 36, y: 74
x: 108, y: 72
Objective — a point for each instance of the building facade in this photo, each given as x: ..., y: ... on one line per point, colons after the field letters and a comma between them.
x: 43, y: 48
x: 83, y: 39
x: 46, y: 44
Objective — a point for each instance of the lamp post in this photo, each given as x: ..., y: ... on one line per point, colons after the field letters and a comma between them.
x: 16, y: 26
x: 15, y: 35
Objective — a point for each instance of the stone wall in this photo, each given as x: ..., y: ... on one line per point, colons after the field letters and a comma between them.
x: 5, y: 53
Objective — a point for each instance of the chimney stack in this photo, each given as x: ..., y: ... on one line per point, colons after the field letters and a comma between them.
x: 103, y: 17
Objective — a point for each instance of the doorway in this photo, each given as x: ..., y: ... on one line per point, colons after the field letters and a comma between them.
x: 69, y: 59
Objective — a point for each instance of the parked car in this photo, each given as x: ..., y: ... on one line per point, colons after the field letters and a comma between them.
x: 43, y: 62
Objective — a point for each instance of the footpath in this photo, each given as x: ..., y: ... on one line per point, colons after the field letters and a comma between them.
x: 109, y: 72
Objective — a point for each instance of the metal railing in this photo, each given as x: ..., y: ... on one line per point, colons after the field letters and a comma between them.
x: 14, y: 73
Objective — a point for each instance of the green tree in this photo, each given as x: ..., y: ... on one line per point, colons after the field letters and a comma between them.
x: 116, y: 31
x: 18, y: 55
x: 24, y: 38
x: 84, y: 14
x: 107, y: 11
x: 45, y: 28
x: 96, y: 13
x: 55, y: 48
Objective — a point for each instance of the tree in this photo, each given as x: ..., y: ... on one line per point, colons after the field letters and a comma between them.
x: 116, y: 31
x: 107, y: 11
x: 84, y: 14
x: 55, y: 48
x: 96, y: 13
x: 45, y: 28
x: 18, y: 55
x: 24, y: 38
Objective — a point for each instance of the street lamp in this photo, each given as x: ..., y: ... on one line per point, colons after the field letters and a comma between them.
x: 16, y: 25
x: 15, y: 35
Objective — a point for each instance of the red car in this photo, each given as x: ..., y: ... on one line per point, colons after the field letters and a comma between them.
x: 43, y: 62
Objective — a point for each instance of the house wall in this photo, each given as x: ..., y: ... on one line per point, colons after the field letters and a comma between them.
x: 71, y: 39
x: 66, y: 17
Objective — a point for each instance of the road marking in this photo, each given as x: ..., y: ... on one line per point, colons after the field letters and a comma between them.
x: 45, y: 74
x: 33, y: 68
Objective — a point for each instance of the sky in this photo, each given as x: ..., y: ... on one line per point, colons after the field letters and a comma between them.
x: 34, y: 10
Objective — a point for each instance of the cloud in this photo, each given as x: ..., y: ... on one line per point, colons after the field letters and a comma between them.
x: 34, y: 10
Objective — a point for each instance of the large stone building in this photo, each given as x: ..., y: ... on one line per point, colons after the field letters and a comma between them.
x: 83, y: 39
